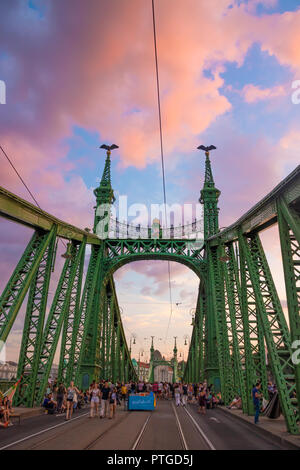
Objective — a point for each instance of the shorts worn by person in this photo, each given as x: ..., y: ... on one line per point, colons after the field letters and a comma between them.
x: 72, y: 392
x: 95, y: 395
x: 112, y: 403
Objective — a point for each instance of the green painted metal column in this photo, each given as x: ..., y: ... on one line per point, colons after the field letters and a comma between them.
x: 218, y: 304
x: 274, y: 326
x: 289, y: 232
x: 85, y: 306
x: 33, y: 327
x: 234, y: 307
x: 16, y: 288
x: 89, y: 358
x: 118, y: 352
x: 71, y: 324
x: 57, y: 314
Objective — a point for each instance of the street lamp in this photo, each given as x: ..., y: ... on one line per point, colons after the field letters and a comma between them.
x: 186, y: 337
x: 192, y: 313
x: 132, y: 337
x: 141, y: 352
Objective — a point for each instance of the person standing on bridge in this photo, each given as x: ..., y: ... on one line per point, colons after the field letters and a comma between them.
x: 256, y: 401
x: 112, y: 403
x: 61, y: 391
x: 71, y: 391
x: 123, y: 392
x: 104, y: 400
x: 177, y: 394
x: 184, y: 394
x: 95, y: 396
x: 202, y: 399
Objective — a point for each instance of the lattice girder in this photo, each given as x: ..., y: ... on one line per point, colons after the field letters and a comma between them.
x: 274, y: 327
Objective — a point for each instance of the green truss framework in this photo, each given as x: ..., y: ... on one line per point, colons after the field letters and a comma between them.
x: 240, y: 332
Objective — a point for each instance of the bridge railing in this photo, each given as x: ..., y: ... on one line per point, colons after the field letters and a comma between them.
x: 117, y: 229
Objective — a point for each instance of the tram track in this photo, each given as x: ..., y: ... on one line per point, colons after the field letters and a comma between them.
x: 200, y: 430
x: 57, y: 435
x: 140, y: 434
x: 104, y: 433
x: 183, y: 438
x: 180, y: 430
x: 185, y: 426
x: 19, y: 441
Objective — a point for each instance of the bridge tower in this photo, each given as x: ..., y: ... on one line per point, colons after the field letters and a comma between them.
x: 96, y: 346
x: 104, y: 196
x: 209, y: 197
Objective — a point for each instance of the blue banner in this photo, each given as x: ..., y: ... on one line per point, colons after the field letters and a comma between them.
x: 138, y: 402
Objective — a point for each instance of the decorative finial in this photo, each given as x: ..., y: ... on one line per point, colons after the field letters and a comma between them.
x: 206, y: 149
x: 109, y: 148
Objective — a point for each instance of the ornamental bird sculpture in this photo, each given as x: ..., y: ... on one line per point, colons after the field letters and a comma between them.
x: 206, y: 149
x: 109, y: 147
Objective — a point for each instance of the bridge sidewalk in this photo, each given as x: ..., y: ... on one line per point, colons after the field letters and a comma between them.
x: 275, y: 429
x: 27, y: 412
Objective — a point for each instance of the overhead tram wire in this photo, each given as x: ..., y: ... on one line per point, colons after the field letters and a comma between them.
x: 162, y: 155
x: 23, y: 182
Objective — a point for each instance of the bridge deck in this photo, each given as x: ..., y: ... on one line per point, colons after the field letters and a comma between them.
x: 163, y: 431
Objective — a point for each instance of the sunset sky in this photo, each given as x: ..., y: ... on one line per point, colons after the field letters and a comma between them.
x: 79, y: 74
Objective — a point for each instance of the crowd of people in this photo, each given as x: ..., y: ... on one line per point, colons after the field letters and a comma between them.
x: 259, y: 401
x: 104, y: 397
x: 62, y: 399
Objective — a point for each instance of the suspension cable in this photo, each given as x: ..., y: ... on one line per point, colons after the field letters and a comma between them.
x: 23, y: 182
x: 19, y: 176
x: 162, y: 155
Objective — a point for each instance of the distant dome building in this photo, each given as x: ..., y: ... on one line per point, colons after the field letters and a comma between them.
x: 157, y: 355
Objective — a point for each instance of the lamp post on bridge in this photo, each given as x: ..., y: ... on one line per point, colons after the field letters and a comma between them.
x: 192, y: 313
x: 141, y: 353
x: 132, y: 337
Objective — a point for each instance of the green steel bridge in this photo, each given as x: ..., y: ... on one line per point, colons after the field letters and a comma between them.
x: 238, y: 313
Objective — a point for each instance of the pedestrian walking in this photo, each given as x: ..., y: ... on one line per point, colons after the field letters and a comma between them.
x: 112, y: 403
x: 105, y: 391
x: 95, y: 399
x: 177, y: 394
x: 71, y: 391
x: 202, y: 399
x: 184, y: 395
x: 256, y: 395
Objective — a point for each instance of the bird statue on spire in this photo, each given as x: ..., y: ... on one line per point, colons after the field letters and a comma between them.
x: 206, y: 149
x: 109, y: 148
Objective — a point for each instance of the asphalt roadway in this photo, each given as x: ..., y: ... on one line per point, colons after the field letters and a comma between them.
x: 166, y: 428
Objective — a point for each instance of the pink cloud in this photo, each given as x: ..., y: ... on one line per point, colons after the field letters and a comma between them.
x: 254, y: 93
x: 95, y: 79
